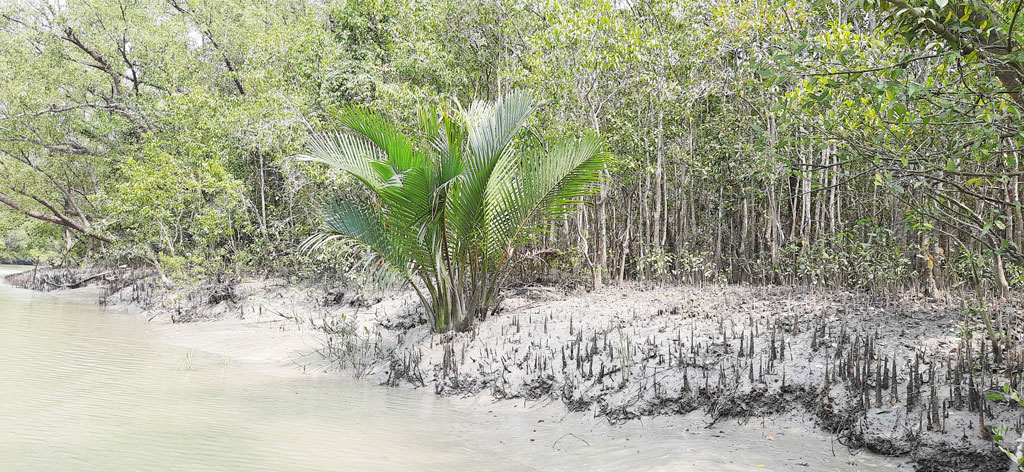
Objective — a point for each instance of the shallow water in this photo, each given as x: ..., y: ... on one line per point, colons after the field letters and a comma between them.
x: 87, y: 389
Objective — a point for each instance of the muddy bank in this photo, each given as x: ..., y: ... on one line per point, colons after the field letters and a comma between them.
x: 46, y: 279
x: 896, y: 376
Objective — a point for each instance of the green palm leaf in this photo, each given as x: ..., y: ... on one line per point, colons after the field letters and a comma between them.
x: 525, y: 195
x: 401, y: 155
x: 491, y: 129
x: 358, y: 222
x: 445, y: 215
x: 347, y: 153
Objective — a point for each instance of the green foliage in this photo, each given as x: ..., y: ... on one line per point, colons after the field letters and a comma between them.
x: 171, y: 204
x: 445, y: 214
x: 751, y: 142
x: 1015, y: 455
x: 27, y: 241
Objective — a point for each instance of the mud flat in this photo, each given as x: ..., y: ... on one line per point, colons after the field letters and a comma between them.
x: 896, y: 376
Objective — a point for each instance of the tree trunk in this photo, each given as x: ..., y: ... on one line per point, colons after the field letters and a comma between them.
x: 658, y: 174
x: 999, y: 274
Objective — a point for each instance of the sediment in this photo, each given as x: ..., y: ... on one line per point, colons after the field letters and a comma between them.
x: 903, y: 376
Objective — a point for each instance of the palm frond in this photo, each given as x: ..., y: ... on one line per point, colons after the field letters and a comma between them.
x: 358, y: 222
x: 448, y: 213
x: 491, y: 129
x: 345, y: 152
x: 525, y: 195
x: 398, y: 149
x: 410, y: 210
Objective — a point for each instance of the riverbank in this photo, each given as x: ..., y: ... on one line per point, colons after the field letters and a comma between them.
x: 88, y: 387
x: 894, y: 376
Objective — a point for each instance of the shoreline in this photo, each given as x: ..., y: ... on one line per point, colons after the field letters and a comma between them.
x: 630, y: 352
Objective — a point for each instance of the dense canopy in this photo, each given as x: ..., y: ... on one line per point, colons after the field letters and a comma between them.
x: 869, y: 144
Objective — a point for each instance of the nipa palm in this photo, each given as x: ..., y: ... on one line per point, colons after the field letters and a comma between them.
x: 445, y: 212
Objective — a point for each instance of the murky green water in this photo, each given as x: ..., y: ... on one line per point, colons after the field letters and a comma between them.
x: 84, y: 389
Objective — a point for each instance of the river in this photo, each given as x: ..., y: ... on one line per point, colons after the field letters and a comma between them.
x: 83, y: 388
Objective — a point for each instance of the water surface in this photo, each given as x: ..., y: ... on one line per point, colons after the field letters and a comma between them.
x: 88, y: 389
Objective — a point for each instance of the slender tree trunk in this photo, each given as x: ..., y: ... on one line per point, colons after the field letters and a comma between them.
x: 931, y: 289
x: 1000, y: 275
x: 805, y: 196
x: 1016, y: 217
x: 601, y: 225
x: 658, y: 173
x: 774, y: 226
x: 625, y: 241
x: 832, y: 182
x: 718, y: 230
x: 743, y: 228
